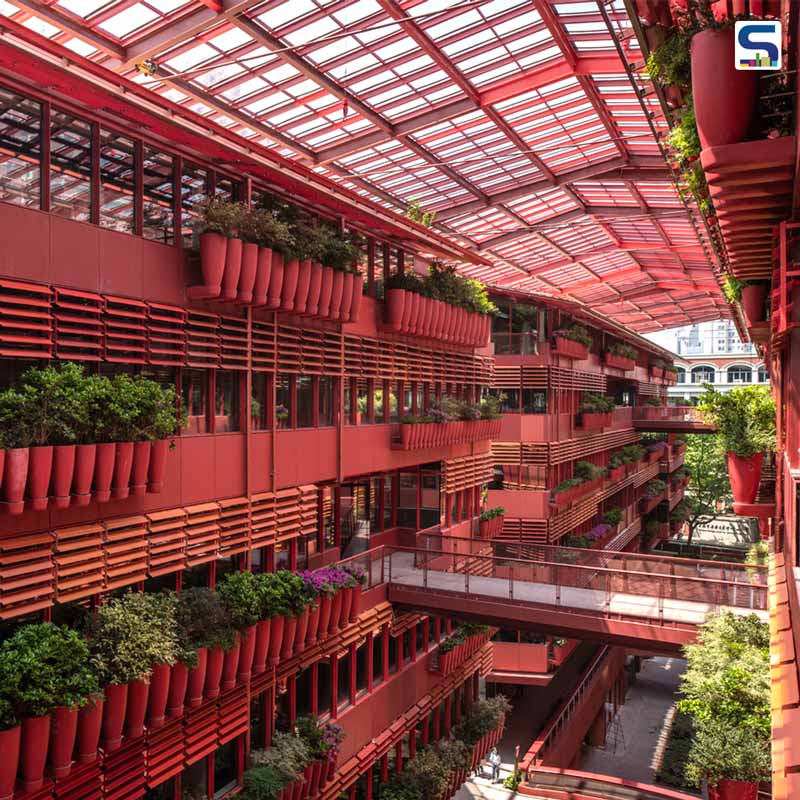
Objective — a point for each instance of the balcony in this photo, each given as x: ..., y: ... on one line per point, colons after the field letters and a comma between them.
x: 670, y: 419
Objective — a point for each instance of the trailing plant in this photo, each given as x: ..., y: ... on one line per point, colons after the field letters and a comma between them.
x: 43, y: 667
x: 623, y: 350
x: 311, y: 734
x: 575, y: 333
x: 415, y: 213
x: 744, y: 417
x: 670, y: 62
x: 241, y: 598
x: 732, y: 289
x: 593, y: 403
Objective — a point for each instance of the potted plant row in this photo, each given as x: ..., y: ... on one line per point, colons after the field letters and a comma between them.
x: 491, y: 522
x: 448, y: 421
x: 456, y: 648
x: 442, y: 305
x: 573, y: 342
x: 745, y: 420
x: 750, y: 295
x: 623, y: 462
x: 670, y: 374
x: 654, y: 492
x: 67, y: 438
x: 657, y: 369
x: 678, y: 447
x: 613, y: 517
x: 657, y: 450
x: 586, y: 478
x: 251, y: 257
x: 621, y: 356
x: 596, y: 411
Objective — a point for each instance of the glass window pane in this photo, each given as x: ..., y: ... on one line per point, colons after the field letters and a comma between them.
x: 194, y: 396
x: 70, y: 166
x: 117, y: 181
x: 226, y: 768
x: 393, y: 654
x: 305, y: 401
x: 227, y: 402
x: 258, y: 721
x: 194, y: 781
x: 323, y: 686
x: 194, y: 187
x: 377, y: 659
x: 259, y: 401
x: 159, y: 219
x: 343, y: 681
x: 362, y: 657
x: 229, y: 189
x: 282, y: 557
x: 326, y: 400
x: 303, y: 686
x: 20, y: 149
x: 283, y: 402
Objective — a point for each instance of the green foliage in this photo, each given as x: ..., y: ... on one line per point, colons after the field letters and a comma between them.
x: 445, y: 284
x: 593, y: 403
x: 569, y: 483
x: 732, y: 289
x: 727, y: 751
x: 310, y: 733
x: 241, y: 598
x: 513, y: 780
x: 342, y: 254
x: 202, y: 621
x: 217, y: 215
x: 681, y: 511
x: 624, y: 350
x: 263, y: 228
x: 490, y: 406
x: 261, y: 782
x: 43, y: 667
x: 744, y: 417
x: 409, y: 281
x: 613, y: 516
x: 757, y: 556
x: 415, y: 213
x: 683, y: 139
x: 670, y: 63
x: 673, y: 764
x: 491, y: 513
x: 655, y: 487
x: 483, y: 717
x: 587, y: 471
x: 653, y: 401
x: 575, y: 333
x: 460, y: 635
x: 129, y: 634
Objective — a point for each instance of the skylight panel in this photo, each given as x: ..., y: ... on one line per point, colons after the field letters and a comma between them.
x: 462, y: 45
x: 357, y: 11
x: 230, y: 39
x: 218, y: 75
x: 81, y: 8
x: 284, y: 13
x: 80, y: 47
x: 191, y: 58
x: 129, y: 20
x: 41, y: 27
x: 452, y: 25
x: 167, y: 6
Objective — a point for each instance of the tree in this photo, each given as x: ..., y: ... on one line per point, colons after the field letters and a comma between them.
x: 705, y: 458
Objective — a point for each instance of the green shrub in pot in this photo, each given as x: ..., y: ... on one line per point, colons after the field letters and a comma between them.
x: 241, y: 598
x: 744, y: 417
x: 202, y: 621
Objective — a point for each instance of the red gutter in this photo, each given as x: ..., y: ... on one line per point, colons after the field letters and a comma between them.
x: 112, y: 94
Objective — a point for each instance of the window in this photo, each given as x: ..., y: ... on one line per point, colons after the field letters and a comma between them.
x: 282, y: 556
x: 225, y: 566
x: 194, y: 781
x: 164, y: 791
x: 70, y: 166
x: 509, y: 400
x: 702, y: 375
x: 377, y: 658
x: 393, y: 654
x: 323, y: 686
x: 226, y: 768
x: 763, y: 376
x: 226, y: 414
x: 283, y: 402
x: 228, y: 188
x: 304, y: 685
x: 348, y: 402
x: 534, y: 401
x: 117, y: 181
x: 305, y: 401
x: 362, y: 659
x: 196, y: 576
x: 21, y: 142
x: 407, y: 511
x: 259, y: 402
x: 362, y: 405
x: 326, y: 401
x: 258, y: 721
x: 159, y: 216
x: 194, y: 187
x: 681, y: 375
x: 345, y: 664
x: 740, y: 374
x: 407, y: 646
x: 194, y: 396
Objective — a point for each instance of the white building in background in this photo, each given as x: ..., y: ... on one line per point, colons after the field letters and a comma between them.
x: 710, y: 352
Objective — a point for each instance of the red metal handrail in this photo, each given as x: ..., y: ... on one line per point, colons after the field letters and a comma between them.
x: 372, y: 561
x: 682, y: 413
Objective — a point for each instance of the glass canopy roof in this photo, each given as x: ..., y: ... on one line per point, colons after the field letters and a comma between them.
x: 526, y: 125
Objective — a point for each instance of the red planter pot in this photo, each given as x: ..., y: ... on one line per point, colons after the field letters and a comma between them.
x: 316, y: 774
x: 15, y: 476
x: 114, y: 716
x: 63, y: 731
x: 336, y: 294
x: 90, y: 720
x: 617, y: 473
x: 85, y: 455
x: 123, y: 463
x: 138, y: 694
x: 247, y: 651
x: 277, y: 625
x: 291, y: 273
x: 213, y: 248
x: 63, y: 471
x: 275, y: 290
x: 313, y: 625
x: 592, y: 421
x: 33, y: 751
x: 358, y: 293
x: 261, y: 646
x: 301, y: 630
x: 745, y: 474
x: 159, y: 693
x: 618, y: 362
x: 40, y: 469
x: 336, y: 611
x: 9, y: 761
x: 247, y: 276
x: 230, y: 664
x: 724, y: 97
x: 216, y: 660
x: 347, y: 604
x: 178, y: 684
x: 157, y: 466
x: 233, y: 268
x: 733, y: 790
x: 325, y: 292
x: 196, y: 680
x: 355, y: 606
x: 347, y: 296
x: 314, y: 289
x: 263, y: 273
x: 566, y: 347
x: 753, y: 303
x: 104, y: 471
x: 289, y: 630
x: 140, y: 467
x: 325, y: 609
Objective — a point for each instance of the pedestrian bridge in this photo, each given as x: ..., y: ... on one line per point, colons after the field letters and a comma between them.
x: 645, y: 602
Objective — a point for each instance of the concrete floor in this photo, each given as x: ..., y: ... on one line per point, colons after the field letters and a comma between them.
x: 636, y: 740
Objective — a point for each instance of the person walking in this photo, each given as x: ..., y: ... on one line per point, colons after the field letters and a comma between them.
x: 495, y: 761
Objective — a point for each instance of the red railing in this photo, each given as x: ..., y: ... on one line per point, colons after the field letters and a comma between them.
x: 372, y: 562
x: 670, y: 413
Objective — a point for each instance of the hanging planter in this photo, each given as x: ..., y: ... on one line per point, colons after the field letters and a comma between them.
x: 233, y: 268
x: 314, y: 288
x: 157, y: 466
x: 745, y: 475
x: 753, y: 297
x: 274, y: 293
x: 263, y: 273
x: 247, y: 649
x: 136, y: 708
x: 216, y: 659
x: 291, y: 273
x: 213, y: 248
x: 104, y: 471
x: 178, y: 686
x: 114, y: 716
x: 336, y: 294
x: 121, y: 476
x: 261, y: 646
x: 573, y: 342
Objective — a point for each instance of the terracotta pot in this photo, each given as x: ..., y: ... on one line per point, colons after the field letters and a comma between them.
x: 90, y: 720
x: 216, y: 660
x: 261, y: 646
x: 263, y: 273
x: 63, y: 730
x: 325, y: 292
x: 358, y: 293
x: 274, y: 291
x: 230, y: 664
x: 336, y: 612
x: 123, y: 463
x: 316, y: 774
x: 753, y: 303
x: 313, y: 625
x: 277, y: 626
x: 395, y: 308
x: 247, y: 649
x: 114, y: 716
x: 325, y: 609
x: 332, y: 762
x: 178, y: 683
x: 289, y: 630
x: 40, y: 469
x: 413, y: 318
x: 15, y: 476
x: 233, y: 268
x: 9, y: 761
x: 159, y: 692
x: 197, y: 679
x: 733, y: 790
x: 745, y: 475
x: 300, y: 630
x: 347, y: 296
x: 314, y: 289
x: 157, y: 466
x: 336, y: 294
x: 35, y: 735
x: 140, y: 468
x: 724, y: 97
x: 247, y: 277
x: 408, y: 308
x: 347, y: 603
x: 291, y: 274
x: 63, y: 471
x: 405, y: 436
x: 213, y: 248
x: 138, y: 694
x: 355, y: 607
x: 83, y: 474
x: 104, y: 471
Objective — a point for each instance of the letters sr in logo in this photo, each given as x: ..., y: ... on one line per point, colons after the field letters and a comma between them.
x: 758, y: 45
